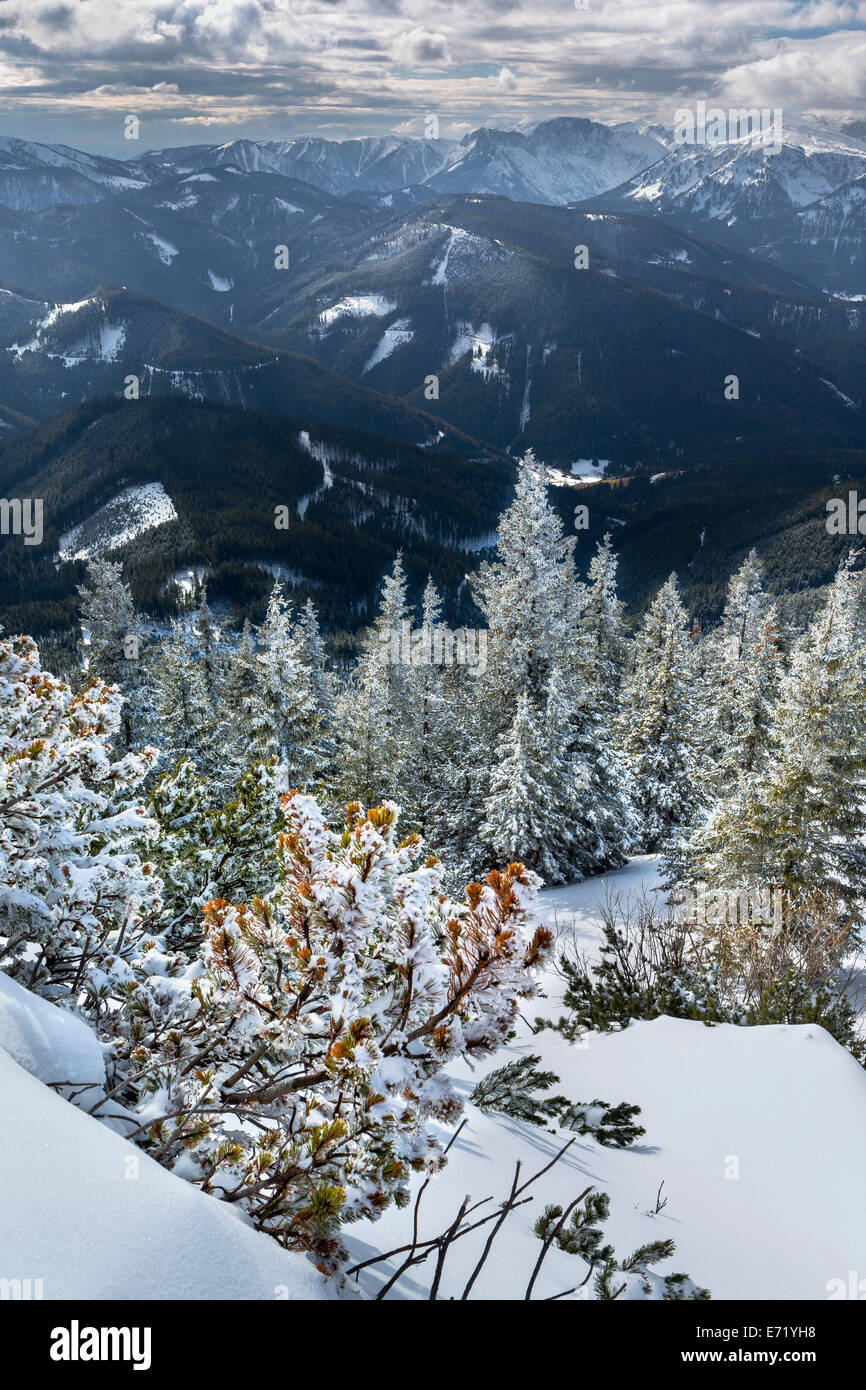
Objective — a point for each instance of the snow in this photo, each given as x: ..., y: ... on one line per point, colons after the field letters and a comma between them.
x: 480, y: 343
x: 96, y: 1218
x: 440, y: 274
x: 119, y: 521
x: 743, y: 1126
x: 584, y: 468
x: 395, y: 335
x: 111, y: 340
x: 323, y: 455
x: 582, y: 473
x: 852, y: 405
x: 357, y: 306
x: 166, y: 250
x: 55, y: 312
x: 47, y: 1042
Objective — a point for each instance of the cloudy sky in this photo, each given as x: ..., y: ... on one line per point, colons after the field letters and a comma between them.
x: 213, y: 70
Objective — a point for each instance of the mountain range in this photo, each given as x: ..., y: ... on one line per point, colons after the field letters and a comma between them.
x: 589, y: 291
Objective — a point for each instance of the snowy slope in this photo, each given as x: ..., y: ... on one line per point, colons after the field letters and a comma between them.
x: 756, y: 1134
x: 742, y: 180
x: 559, y: 161
x: 35, y: 176
x: 372, y: 163
x: 94, y: 1218
x: 48, y: 1042
x: 118, y: 521
x: 745, y: 1126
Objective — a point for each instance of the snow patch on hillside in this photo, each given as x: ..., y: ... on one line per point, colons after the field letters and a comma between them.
x: 395, y: 335
x: 357, y: 306
x: 480, y: 343
x: 323, y: 455
x: 166, y: 250
x: 852, y: 405
x: 119, y: 521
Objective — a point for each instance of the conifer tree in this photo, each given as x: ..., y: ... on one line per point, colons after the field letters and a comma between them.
x: 799, y: 821
x: 740, y: 663
x: 530, y: 600
x: 602, y: 641
x: 656, y: 735
x: 207, y: 634
x: 373, y: 707
x: 520, y: 821
x: 246, y: 702
x: 529, y: 597
x: 186, y: 719
x: 287, y: 690
x: 426, y: 752
x: 111, y: 624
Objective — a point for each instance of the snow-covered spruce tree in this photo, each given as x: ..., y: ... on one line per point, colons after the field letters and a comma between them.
x: 458, y: 775
x: 187, y: 722
x: 585, y: 808
x: 373, y: 706
x: 108, y: 617
x: 529, y: 598
x: 428, y: 733
x: 602, y: 639
x: 600, y: 815
x: 656, y: 729
x: 73, y: 891
x: 521, y: 817
x: 211, y: 653
x: 561, y: 640
x: 287, y: 688
x: 315, y: 661
x: 740, y: 663
x: 799, y: 821
x: 300, y: 1075
x: 246, y: 701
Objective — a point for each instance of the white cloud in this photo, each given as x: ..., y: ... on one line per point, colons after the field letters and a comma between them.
x: 420, y: 48
x: 286, y: 66
x: 784, y: 73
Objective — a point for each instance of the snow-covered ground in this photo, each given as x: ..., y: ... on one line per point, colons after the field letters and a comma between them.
x: 91, y: 1217
x: 480, y: 342
x: 755, y: 1133
x: 395, y: 335
x: 583, y: 471
x: 119, y: 521
x: 357, y: 306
